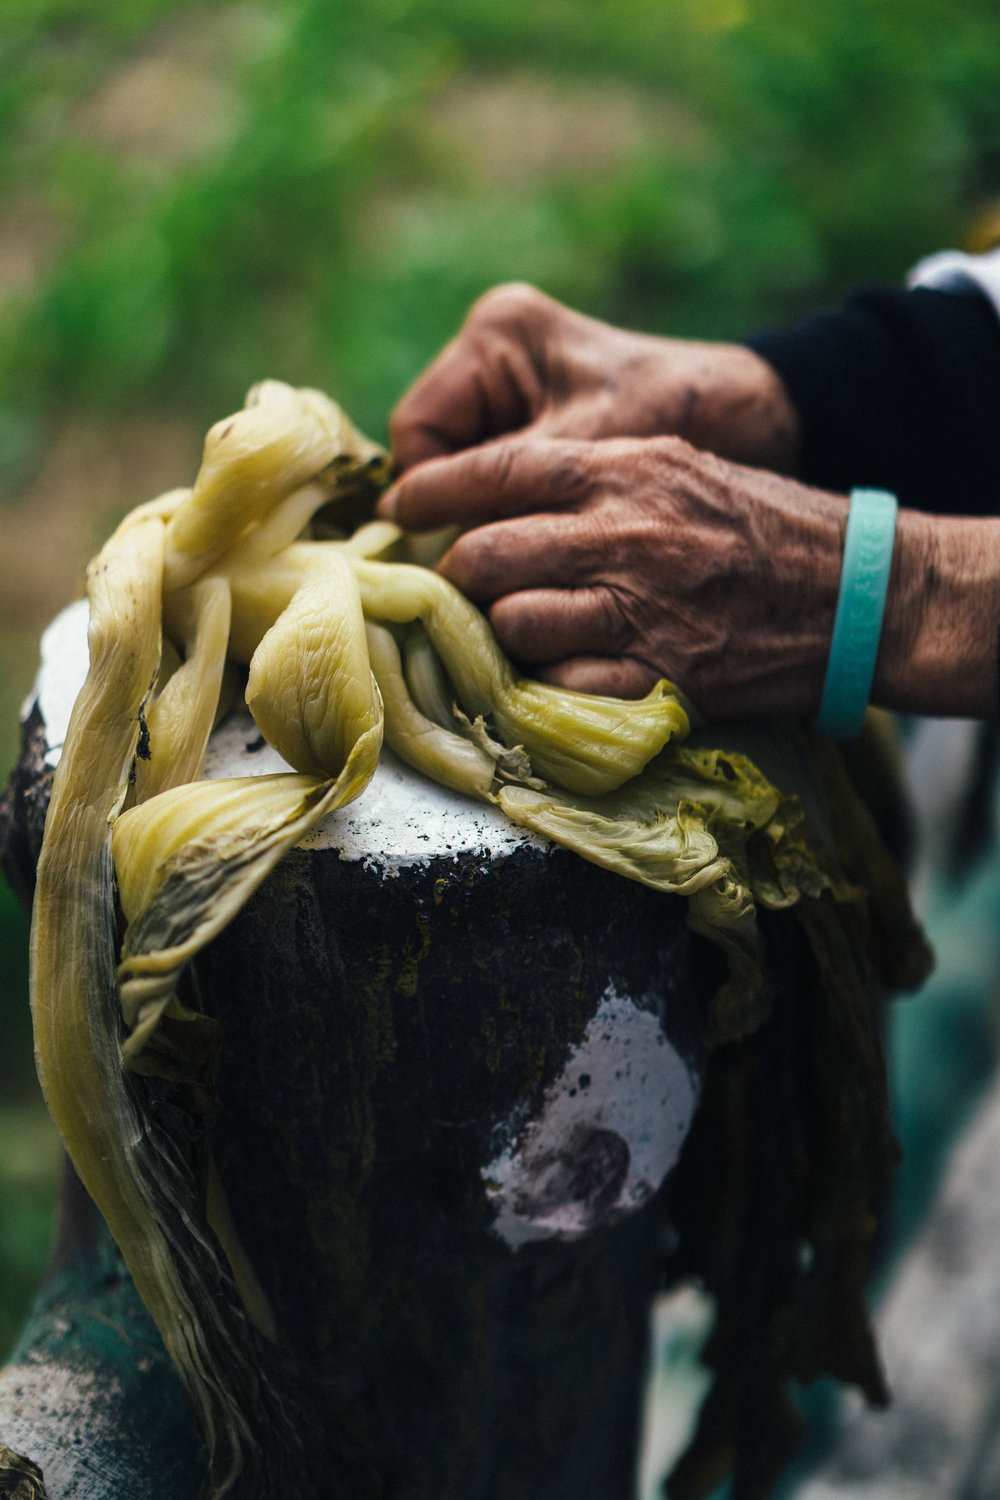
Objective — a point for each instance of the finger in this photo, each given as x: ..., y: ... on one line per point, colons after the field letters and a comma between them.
x: 445, y: 410
x: 614, y: 677
x: 482, y: 385
x: 549, y: 625
x: 508, y: 477
x: 535, y: 552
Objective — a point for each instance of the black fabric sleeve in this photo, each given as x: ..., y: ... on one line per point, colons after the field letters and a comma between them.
x: 899, y: 390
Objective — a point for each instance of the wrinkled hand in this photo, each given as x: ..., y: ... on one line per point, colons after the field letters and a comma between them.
x: 523, y: 361
x: 608, y: 552
x: 604, y: 566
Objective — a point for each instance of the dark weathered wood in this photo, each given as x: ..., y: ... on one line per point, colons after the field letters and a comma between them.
x: 457, y: 1069
x: 454, y: 1074
x: 22, y: 810
x: 376, y: 1064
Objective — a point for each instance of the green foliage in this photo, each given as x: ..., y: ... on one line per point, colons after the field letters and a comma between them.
x: 331, y: 231
x: 29, y: 1155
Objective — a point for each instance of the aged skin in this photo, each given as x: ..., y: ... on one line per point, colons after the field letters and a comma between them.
x: 523, y: 361
x: 609, y: 550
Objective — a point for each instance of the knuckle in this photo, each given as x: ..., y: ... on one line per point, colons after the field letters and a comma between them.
x: 512, y: 303
x: 572, y: 477
x: 603, y: 544
x: 562, y: 474
x: 505, y: 467
x: 503, y: 472
x: 615, y: 620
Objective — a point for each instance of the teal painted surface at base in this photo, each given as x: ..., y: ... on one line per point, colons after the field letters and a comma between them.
x: 89, y: 1394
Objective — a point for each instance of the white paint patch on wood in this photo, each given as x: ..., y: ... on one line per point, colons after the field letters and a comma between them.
x: 610, y: 1129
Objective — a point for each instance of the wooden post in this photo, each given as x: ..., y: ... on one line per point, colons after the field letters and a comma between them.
x: 458, y: 1066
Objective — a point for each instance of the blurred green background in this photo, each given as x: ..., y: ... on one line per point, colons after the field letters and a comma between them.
x: 193, y: 197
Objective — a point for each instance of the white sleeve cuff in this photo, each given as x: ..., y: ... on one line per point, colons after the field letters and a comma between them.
x: 954, y: 271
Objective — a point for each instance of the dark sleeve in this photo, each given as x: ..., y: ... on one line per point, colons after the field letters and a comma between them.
x: 899, y: 390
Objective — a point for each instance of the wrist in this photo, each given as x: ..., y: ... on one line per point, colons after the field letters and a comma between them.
x: 938, y: 652
x: 738, y: 408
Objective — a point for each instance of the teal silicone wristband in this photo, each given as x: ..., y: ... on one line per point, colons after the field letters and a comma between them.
x: 864, y: 579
